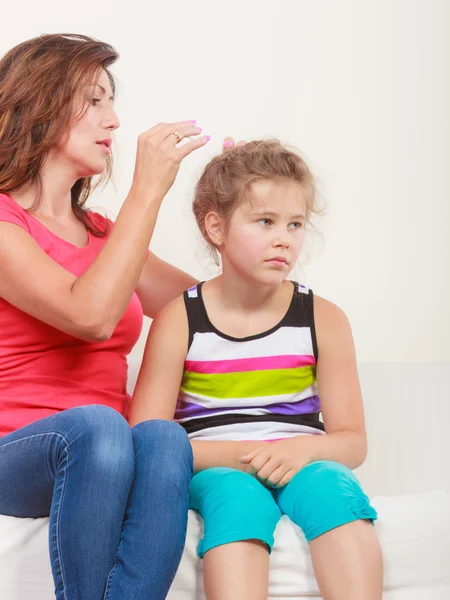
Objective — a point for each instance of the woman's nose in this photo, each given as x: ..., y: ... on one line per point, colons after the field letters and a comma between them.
x: 111, y: 121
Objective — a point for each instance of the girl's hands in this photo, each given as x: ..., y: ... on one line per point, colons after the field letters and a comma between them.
x: 159, y: 157
x: 276, y: 463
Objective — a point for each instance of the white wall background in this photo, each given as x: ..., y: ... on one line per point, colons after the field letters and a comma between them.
x: 362, y: 87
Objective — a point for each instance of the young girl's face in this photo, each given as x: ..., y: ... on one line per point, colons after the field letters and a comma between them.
x: 265, y: 234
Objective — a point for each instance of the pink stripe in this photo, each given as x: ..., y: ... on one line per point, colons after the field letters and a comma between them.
x: 240, y: 365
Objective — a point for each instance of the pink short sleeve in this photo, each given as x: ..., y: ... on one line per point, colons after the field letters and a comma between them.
x: 10, y: 212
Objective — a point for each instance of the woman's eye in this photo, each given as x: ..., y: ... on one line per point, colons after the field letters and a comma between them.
x: 265, y: 221
x: 297, y: 225
x: 95, y: 101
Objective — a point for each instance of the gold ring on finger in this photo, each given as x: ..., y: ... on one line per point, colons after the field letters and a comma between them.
x: 177, y: 135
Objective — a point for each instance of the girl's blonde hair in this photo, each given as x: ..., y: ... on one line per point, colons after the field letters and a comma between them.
x: 227, y: 179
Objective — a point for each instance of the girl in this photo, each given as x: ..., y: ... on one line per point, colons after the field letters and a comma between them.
x: 246, y: 362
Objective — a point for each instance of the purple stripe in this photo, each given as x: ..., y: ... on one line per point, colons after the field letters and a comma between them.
x: 188, y: 410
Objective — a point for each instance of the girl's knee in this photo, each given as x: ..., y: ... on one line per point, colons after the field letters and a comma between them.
x: 232, y: 493
x: 224, y: 484
x: 225, y: 489
x: 322, y: 496
x: 320, y: 476
x: 234, y: 507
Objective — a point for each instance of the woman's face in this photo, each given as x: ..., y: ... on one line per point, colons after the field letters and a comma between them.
x: 87, y: 146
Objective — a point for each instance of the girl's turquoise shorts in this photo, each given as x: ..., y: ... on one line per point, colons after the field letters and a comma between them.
x: 235, y: 506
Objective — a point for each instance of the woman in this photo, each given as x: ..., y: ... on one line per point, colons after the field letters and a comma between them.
x: 73, y: 290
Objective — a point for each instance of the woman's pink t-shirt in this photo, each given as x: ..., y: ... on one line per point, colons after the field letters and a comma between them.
x: 43, y: 370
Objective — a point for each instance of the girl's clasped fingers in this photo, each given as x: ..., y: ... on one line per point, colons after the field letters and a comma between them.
x: 279, y: 475
x: 287, y: 478
x: 256, y: 460
x: 268, y: 469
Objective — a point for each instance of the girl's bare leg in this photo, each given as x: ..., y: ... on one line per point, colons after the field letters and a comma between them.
x: 348, y: 563
x: 237, y: 571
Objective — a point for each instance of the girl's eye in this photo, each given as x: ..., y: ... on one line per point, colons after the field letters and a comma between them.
x: 95, y: 101
x: 297, y: 225
x: 265, y: 221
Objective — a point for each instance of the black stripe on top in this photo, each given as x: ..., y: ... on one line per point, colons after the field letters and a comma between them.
x: 299, y: 314
x: 309, y: 420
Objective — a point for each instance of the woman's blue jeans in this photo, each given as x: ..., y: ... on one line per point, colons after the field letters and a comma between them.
x: 117, y: 499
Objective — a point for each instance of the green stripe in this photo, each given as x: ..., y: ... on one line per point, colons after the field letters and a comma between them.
x: 250, y: 383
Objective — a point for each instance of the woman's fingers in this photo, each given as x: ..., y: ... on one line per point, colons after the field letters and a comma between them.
x: 229, y: 144
x: 159, y: 156
x: 189, y: 147
x: 176, y: 132
x: 162, y: 132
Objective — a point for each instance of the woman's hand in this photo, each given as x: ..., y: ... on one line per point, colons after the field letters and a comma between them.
x: 276, y: 463
x: 229, y: 144
x: 159, y: 157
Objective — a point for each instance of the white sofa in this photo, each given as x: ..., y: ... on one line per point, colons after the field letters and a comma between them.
x: 406, y: 475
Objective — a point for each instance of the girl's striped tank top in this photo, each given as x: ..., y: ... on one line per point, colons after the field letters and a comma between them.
x: 262, y: 387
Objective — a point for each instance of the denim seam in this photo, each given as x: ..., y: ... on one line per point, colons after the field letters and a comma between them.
x: 108, y: 581
x: 57, y: 519
x: 36, y: 435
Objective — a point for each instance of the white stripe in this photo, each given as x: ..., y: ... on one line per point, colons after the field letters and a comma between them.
x: 254, y: 431
x: 192, y: 292
x: 283, y: 342
x: 240, y: 411
x: 209, y: 402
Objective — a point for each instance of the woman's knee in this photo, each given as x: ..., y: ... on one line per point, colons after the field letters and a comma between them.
x: 163, y: 448
x: 100, y: 437
x: 96, y: 418
x: 322, y: 496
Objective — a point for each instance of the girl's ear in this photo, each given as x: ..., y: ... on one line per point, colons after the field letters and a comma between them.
x: 215, y: 228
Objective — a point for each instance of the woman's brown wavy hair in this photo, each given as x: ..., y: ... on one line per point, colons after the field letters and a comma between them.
x: 39, y: 81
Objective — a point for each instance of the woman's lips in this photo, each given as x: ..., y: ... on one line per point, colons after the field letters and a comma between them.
x: 104, y: 146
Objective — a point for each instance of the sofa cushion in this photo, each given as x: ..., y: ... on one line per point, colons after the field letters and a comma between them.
x: 414, y: 532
